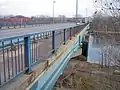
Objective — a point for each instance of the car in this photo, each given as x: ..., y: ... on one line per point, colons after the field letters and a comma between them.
x: 78, y: 23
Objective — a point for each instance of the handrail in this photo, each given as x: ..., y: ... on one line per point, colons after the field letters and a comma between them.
x: 33, y: 33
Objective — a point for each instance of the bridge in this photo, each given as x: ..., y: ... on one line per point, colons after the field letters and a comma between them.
x: 33, y: 58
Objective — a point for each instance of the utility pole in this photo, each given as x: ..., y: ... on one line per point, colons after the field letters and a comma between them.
x: 54, y: 10
x: 86, y: 15
x: 76, y: 10
x: 86, y: 12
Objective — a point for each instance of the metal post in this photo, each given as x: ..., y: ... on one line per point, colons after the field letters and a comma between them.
x: 27, y: 53
x: 70, y: 33
x: 74, y: 31
x: 53, y: 41
x: 76, y: 10
x: 54, y: 11
x: 64, y: 36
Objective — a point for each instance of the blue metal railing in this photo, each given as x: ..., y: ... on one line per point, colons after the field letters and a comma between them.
x: 10, y: 25
x: 18, y: 54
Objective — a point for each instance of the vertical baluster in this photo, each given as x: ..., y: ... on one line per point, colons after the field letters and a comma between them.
x: 4, y: 67
x: 18, y: 57
x: 8, y: 63
x: 37, y: 46
x: 12, y: 59
x: 16, y: 68
x: 22, y: 63
x: 32, y: 50
x: 64, y: 36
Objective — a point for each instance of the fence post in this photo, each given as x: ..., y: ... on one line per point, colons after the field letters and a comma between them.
x: 64, y: 36
x: 27, y: 53
x: 53, y: 41
x: 70, y: 33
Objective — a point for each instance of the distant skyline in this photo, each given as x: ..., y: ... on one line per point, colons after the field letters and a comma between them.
x: 44, y: 7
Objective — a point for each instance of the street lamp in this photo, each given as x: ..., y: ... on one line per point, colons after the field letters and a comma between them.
x: 86, y: 15
x: 53, y: 10
x: 76, y: 10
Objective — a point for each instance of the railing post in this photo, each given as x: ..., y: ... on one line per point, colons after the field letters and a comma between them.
x: 74, y: 31
x: 64, y: 36
x: 53, y: 41
x: 27, y: 54
x: 70, y: 33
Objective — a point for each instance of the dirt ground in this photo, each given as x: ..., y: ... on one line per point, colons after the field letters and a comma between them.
x: 82, y: 75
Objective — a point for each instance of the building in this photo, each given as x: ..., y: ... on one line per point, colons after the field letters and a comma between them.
x: 13, y: 20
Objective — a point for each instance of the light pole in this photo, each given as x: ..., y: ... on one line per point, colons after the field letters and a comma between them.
x: 53, y: 10
x: 86, y: 15
x: 76, y: 10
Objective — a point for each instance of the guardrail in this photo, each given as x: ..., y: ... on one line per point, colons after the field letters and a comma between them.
x: 5, y: 27
x: 2, y: 27
x: 19, y: 54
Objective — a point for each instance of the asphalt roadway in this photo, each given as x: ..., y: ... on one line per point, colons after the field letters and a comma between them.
x: 30, y: 30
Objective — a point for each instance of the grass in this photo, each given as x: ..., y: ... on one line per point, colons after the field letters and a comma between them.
x: 88, y: 76
x: 83, y: 82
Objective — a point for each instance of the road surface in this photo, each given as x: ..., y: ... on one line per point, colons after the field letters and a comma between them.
x: 31, y: 30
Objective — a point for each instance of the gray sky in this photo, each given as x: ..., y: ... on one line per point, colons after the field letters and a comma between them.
x: 38, y: 7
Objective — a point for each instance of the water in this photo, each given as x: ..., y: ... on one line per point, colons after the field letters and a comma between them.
x: 93, y: 51
x: 103, y: 50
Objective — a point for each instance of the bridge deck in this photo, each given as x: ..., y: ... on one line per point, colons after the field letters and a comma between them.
x: 31, y: 30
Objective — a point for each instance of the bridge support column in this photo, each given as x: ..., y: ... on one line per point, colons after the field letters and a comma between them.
x: 70, y: 33
x: 27, y: 54
x: 53, y: 41
x: 64, y: 36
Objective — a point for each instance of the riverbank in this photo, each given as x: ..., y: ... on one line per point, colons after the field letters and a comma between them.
x: 82, y: 75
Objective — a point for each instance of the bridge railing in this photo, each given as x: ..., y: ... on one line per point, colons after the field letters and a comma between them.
x: 18, y: 54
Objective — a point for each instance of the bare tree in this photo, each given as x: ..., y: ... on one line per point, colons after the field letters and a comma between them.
x: 111, y: 9
x: 107, y: 19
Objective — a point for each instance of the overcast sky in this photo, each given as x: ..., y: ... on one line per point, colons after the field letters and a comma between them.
x: 38, y: 7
